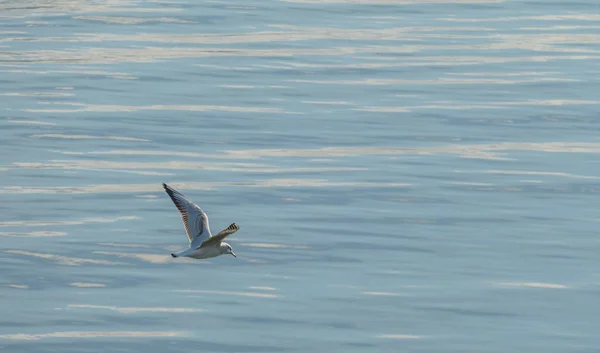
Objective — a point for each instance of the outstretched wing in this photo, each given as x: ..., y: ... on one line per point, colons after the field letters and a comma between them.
x: 194, y: 219
x: 218, y: 238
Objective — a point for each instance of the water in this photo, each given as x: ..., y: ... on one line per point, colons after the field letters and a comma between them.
x: 407, y: 176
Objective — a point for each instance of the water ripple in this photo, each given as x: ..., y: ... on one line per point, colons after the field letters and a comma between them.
x: 93, y: 334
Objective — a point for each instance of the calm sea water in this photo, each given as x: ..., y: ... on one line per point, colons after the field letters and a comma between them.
x: 408, y: 176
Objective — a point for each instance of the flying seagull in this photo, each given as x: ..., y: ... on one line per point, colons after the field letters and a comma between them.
x: 203, y: 244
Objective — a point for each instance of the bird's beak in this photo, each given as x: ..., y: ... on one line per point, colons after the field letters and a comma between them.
x: 232, y: 253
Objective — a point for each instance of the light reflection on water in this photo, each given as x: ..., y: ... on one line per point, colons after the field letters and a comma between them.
x: 413, y: 175
x: 90, y: 334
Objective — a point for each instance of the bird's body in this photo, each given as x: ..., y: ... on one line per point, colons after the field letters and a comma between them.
x: 205, y: 253
x: 203, y: 245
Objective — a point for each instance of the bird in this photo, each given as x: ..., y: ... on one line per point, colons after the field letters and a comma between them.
x: 203, y: 244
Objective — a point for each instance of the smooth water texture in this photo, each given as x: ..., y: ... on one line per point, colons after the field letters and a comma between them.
x: 408, y: 176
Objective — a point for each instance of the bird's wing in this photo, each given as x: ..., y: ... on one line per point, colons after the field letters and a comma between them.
x: 194, y: 219
x: 218, y: 238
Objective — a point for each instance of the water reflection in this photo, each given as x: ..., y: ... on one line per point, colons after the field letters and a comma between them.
x: 151, y: 258
x: 385, y: 294
x: 133, y: 310
x: 93, y: 334
x: 241, y: 294
x: 87, y: 137
x: 261, y: 288
x: 440, y: 81
x: 274, y: 246
x: 399, y: 337
x: 175, y: 165
x: 33, y: 8
x: 112, y: 188
x: 126, y: 245
x: 64, y: 260
x: 98, y: 108
x: 30, y: 122
x: 30, y: 223
x: 467, y: 150
x: 532, y: 285
x: 41, y: 233
x: 130, y: 20
x: 527, y: 172
x: 87, y: 285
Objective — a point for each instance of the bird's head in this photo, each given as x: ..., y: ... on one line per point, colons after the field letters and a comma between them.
x: 226, y: 249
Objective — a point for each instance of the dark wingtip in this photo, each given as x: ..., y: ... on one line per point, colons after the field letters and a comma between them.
x: 167, y: 188
x: 173, y: 255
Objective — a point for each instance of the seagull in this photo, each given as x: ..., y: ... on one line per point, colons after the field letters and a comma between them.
x: 203, y: 244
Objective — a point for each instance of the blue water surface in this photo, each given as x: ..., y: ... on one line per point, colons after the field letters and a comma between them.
x: 408, y: 176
